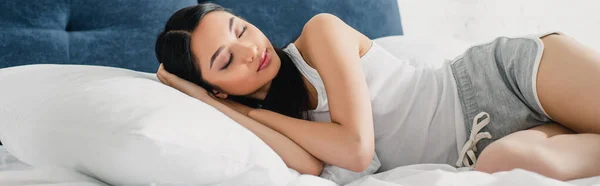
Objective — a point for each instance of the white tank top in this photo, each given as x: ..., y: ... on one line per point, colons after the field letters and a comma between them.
x: 416, y: 110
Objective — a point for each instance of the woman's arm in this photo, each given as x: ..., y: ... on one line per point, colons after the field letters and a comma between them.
x: 293, y: 155
x: 348, y: 141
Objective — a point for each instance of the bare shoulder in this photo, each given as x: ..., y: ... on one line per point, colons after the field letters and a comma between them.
x: 322, y: 27
x: 315, y: 25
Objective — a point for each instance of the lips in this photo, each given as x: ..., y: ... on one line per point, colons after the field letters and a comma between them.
x: 264, y: 60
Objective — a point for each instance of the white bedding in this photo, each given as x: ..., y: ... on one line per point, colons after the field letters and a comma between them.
x: 15, y: 173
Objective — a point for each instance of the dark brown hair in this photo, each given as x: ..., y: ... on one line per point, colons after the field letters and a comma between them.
x: 287, y: 95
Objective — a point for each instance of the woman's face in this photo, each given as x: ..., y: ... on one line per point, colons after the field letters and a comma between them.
x: 233, y: 54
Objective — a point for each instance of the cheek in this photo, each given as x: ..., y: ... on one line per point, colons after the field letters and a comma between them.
x: 241, y: 83
x: 273, y: 69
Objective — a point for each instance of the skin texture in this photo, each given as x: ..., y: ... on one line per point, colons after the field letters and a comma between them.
x: 247, y: 45
x: 334, y: 49
x: 568, y: 84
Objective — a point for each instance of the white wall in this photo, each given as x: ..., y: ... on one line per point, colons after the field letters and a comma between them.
x: 476, y: 21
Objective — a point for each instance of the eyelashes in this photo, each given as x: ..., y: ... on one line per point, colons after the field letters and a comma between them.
x: 231, y: 54
x: 243, y: 30
x: 228, y: 62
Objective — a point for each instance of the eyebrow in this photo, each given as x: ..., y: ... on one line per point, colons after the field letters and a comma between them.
x: 212, y: 58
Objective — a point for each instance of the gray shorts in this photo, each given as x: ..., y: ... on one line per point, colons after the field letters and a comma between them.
x: 499, y: 78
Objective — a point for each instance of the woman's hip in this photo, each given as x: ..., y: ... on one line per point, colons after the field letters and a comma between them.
x: 498, y: 78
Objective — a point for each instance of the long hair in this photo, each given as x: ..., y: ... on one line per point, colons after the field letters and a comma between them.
x: 287, y: 94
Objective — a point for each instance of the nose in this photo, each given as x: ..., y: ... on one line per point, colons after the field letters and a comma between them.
x: 246, y: 51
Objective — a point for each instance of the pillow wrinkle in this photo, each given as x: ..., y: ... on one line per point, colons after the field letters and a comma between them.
x: 125, y: 130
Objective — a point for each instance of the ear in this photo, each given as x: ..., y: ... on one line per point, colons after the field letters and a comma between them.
x: 220, y: 94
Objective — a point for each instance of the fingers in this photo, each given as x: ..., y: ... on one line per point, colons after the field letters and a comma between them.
x: 160, y: 74
x: 213, y: 96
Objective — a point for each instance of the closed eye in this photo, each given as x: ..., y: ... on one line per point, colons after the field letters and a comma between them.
x: 243, y: 30
x: 231, y: 55
x: 228, y: 62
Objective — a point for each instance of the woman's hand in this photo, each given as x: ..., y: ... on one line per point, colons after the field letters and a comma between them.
x: 292, y: 154
x: 182, y: 85
x: 196, y: 91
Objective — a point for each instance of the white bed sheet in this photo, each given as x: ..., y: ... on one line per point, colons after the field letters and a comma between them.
x: 16, y: 173
x: 437, y: 174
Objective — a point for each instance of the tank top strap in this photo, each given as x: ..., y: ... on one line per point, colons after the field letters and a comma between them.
x: 310, y: 74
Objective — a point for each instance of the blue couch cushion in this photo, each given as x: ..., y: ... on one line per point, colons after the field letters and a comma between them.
x: 119, y: 33
x: 282, y: 20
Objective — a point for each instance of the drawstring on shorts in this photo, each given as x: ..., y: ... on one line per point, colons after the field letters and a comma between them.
x: 468, y: 151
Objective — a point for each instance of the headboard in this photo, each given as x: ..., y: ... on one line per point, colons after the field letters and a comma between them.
x: 122, y: 33
x: 282, y: 20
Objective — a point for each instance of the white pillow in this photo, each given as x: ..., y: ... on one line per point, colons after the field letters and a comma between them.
x: 125, y: 127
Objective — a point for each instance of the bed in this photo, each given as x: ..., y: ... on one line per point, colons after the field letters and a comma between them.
x: 59, y: 32
x: 15, y: 173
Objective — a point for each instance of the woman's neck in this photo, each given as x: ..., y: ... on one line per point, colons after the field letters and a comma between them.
x: 261, y: 93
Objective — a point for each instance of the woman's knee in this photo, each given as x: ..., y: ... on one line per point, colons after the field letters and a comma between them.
x: 502, y: 155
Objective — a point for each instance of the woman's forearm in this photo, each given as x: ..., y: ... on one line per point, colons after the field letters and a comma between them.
x: 327, y: 141
x: 292, y: 154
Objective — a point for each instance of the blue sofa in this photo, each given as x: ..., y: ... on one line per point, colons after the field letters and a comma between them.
x: 121, y: 33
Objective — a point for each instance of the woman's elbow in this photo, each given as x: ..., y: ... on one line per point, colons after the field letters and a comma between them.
x: 317, y: 169
x: 314, y: 168
x: 362, y: 158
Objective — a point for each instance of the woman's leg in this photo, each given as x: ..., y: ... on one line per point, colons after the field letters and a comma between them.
x: 568, y: 84
x: 550, y: 150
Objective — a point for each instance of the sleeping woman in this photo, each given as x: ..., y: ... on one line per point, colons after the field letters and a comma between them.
x: 334, y: 96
